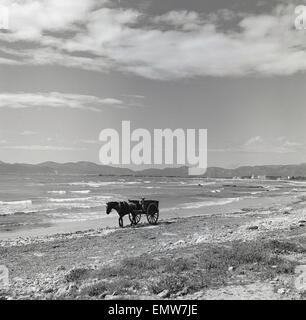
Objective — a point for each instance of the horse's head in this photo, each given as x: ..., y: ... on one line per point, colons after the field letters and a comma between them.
x: 110, y: 206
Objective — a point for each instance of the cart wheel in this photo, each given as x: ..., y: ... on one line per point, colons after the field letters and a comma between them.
x: 135, y: 218
x: 152, y: 213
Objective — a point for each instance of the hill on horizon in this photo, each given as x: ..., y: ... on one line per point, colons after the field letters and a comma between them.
x: 90, y: 168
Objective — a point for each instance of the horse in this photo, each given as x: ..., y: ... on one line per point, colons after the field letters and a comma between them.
x: 123, y: 208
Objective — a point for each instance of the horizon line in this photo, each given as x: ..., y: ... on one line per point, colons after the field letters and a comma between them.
x: 162, y: 168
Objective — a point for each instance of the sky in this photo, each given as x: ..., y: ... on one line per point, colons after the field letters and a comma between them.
x: 71, y: 68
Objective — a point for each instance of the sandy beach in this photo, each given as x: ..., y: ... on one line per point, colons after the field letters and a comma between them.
x: 250, y: 253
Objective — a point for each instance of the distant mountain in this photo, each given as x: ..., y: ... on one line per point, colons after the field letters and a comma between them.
x: 167, y: 172
x: 269, y: 170
x: 20, y: 168
x: 62, y: 168
x: 84, y: 167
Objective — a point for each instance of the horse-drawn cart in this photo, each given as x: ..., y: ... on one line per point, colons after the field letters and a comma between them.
x: 135, y: 209
x: 147, y: 207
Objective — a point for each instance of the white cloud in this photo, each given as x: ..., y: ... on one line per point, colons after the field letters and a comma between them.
x: 279, y: 145
x: 187, y: 20
x: 29, y: 19
x: 135, y: 96
x: 128, y: 41
x: 56, y: 100
x: 258, y: 144
x: 254, y: 141
x: 42, y: 148
x: 286, y: 144
x: 8, y: 61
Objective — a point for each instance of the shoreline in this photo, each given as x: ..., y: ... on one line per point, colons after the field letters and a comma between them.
x: 48, y: 228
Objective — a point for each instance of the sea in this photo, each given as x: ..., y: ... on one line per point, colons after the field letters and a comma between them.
x: 57, y: 199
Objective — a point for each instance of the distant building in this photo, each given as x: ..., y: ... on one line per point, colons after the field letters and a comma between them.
x: 261, y: 177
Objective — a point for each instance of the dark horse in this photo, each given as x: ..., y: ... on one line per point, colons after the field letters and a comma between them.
x: 123, y: 208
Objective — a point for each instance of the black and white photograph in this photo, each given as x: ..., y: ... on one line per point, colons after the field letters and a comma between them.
x: 152, y: 150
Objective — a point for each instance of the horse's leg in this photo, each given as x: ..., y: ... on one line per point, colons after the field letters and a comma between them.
x: 119, y: 210
x: 120, y: 222
x: 132, y: 220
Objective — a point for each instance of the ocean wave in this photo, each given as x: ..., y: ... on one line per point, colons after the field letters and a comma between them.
x: 294, y: 183
x: 13, y: 207
x: 216, y: 191
x: 57, y: 192
x: 13, y: 203
x: 81, y: 191
x: 99, y: 184
x: 75, y: 200
x: 91, y: 184
x: 201, y: 204
x: 274, y: 189
x: 69, y: 199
